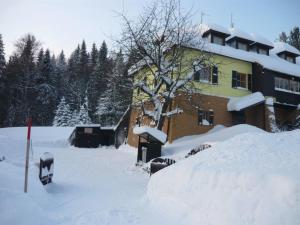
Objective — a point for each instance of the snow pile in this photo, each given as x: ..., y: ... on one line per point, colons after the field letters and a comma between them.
x: 252, y: 178
x: 180, y: 147
x: 239, y: 103
x: 282, y: 47
x: 271, y: 62
x: 235, y: 32
x: 261, y: 40
x: 159, y: 135
x: 212, y: 26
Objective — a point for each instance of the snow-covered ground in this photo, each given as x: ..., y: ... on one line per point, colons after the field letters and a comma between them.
x: 248, y: 176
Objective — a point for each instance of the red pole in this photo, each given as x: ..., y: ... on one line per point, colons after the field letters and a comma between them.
x: 29, y: 123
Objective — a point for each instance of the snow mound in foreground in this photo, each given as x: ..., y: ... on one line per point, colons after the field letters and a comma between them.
x: 252, y: 178
x: 180, y: 147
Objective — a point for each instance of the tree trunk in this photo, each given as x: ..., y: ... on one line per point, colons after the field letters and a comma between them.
x: 161, y: 120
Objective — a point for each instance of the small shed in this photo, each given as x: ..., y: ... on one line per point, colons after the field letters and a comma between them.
x: 86, y: 136
x: 150, y: 142
x: 95, y: 135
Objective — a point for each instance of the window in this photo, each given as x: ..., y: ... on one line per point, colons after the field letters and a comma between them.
x: 262, y: 51
x: 215, y: 75
x: 242, y: 46
x: 203, y: 75
x: 205, y: 118
x: 290, y: 59
x: 218, y: 40
x: 239, y: 80
x: 88, y: 130
x: 287, y: 85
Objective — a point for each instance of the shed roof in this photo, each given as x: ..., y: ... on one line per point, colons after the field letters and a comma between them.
x: 151, y: 133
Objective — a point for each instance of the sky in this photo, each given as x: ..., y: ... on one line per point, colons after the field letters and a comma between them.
x: 63, y: 24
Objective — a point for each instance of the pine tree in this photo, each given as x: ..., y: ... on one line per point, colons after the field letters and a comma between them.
x: 294, y: 38
x: 84, y: 59
x: 74, y: 118
x: 3, y: 95
x: 93, y: 56
x: 63, y: 114
x: 283, y: 37
x: 2, y: 57
x: 61, y: 68
x: 45, y: 92
x: 83, y: 115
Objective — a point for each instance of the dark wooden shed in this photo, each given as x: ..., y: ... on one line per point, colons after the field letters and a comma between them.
x: 94, y: 135
x: 150, y: 143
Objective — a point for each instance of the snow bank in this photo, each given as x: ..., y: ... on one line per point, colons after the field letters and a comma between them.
x: 159, y: 135
x: 252, y: 178
x: 239, y: 103
x: 180, y: 147
x: 51, y: 136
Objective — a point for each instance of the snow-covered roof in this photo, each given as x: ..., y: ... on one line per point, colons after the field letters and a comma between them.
x: 271, y: 62
x: 261, y: 40
x: 235, y: 32
x: 46, y: 156
x: 157, y: 134
x: 215, y: 27
x: 240, y: 103
x: 282, y: 47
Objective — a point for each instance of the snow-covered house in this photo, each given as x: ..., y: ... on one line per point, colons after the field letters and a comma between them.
x: 248, y: 69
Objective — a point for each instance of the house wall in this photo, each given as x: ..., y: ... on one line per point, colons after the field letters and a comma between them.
x: 225, y: 67
x: 186, y: 123
x: 264, y: 81
x: 132, y: 138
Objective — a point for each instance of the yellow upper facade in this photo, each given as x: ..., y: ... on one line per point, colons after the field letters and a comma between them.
x: 225, y: 66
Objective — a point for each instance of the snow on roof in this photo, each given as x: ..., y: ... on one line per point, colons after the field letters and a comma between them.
x: 281, y: 47
x: 261, y: 40
x: 159, y: 135
x: 271, y: 62
x: 88, y: 125
x: 46, y: 156
x: 235, y: 32
x: 212, y: 26
x: 239, y: 103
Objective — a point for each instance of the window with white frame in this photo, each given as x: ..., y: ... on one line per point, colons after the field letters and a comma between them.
x: 287, y: 85
x: 203, y: 75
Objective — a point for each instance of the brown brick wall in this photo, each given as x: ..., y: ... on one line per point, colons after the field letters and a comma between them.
x: 256, y: 116
x: 186, y: 123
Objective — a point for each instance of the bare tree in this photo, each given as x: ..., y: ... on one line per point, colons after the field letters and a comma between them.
x: 160, y: 40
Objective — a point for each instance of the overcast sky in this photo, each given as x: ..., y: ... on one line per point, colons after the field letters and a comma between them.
x: 62, y: 24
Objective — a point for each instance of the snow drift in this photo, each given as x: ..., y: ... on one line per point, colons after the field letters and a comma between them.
x: 252, y: 178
